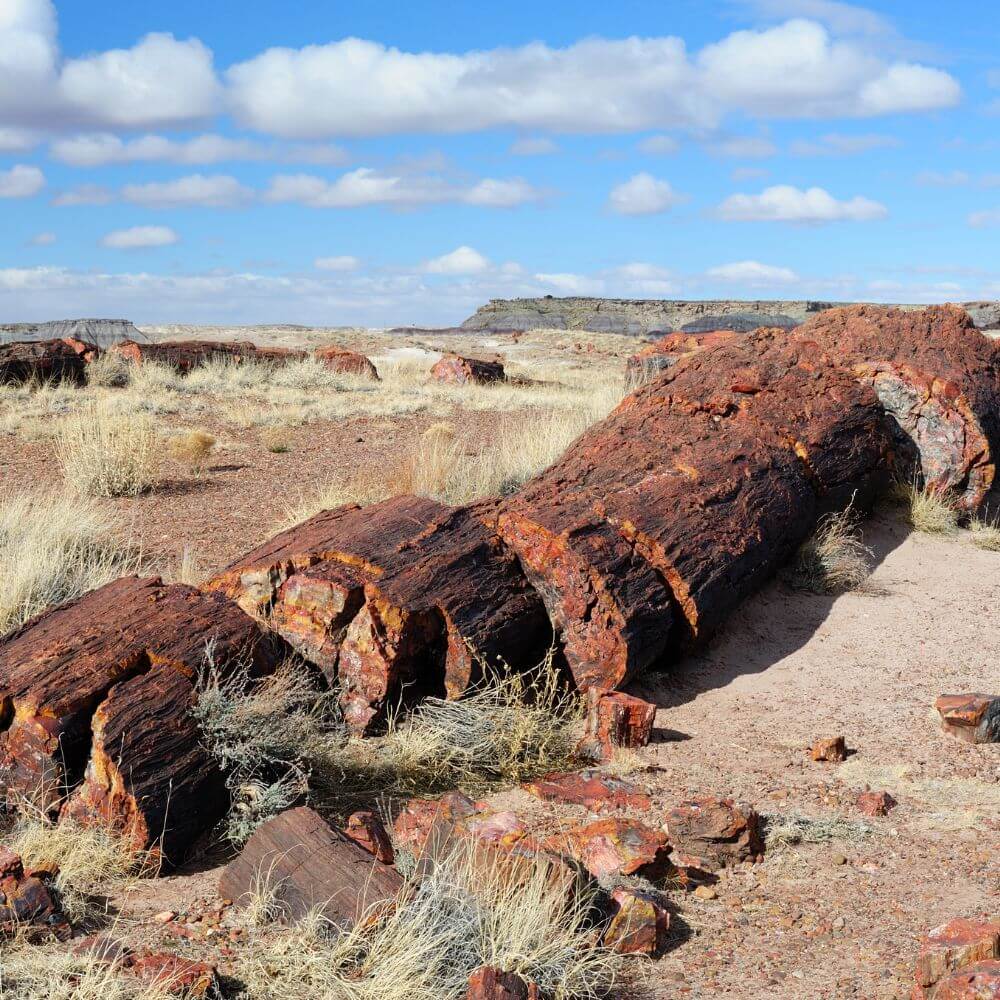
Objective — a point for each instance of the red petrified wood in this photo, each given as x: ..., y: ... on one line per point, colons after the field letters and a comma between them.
x: 616, y: 847
x: 306, y: 864
x: 615, y: 720
x: 592, y: 789
x: 26, y: 905
x: 721, y: 830
x: 339, y: 359
x: 639, y: 924
x: 974, y: 718
x: 467, y: 371
x: 876, y: 803
x: 832, y: 750
x: 956, y: 945
x: 975, y: 982
x: 64, y: 359
x: 489, y: 983
x: 365, y: 828
x: 937, y: 376
x: 664, y: 353
x: 99, y: 690
x: 184, y: 355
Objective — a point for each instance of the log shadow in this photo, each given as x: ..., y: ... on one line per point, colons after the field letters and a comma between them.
x: 769, y: 626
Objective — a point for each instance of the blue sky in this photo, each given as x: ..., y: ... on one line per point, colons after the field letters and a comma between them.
x: 341, y: 163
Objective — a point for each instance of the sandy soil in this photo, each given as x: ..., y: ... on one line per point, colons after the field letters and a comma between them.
x: 837, y: 918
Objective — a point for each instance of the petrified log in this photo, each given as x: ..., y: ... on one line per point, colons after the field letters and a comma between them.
x: 149, y: 776
x: 975, y: 982
x: 306, y: 864
x: 489, y: 983
x: 615, y: 720
x: 721, y: 830
x: 405, y: 593
x: 57, y: 669
x: 184, y: 355
x: 65, y: 359
x: 457, y: 370
x: 339, y: 359
x: 833, y: 423
x: 958, y: 944
x: 937, y: 376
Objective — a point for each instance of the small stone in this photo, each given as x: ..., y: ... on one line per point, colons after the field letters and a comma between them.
x: 838, y: 859
x: 165, y: 917
x: 705, y: 892
x: 832, y: 750
x: 876, y: 803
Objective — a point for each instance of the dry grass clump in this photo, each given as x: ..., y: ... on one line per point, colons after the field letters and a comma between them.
x: 93, y: 861
x: 791, y: 829
x: 276, y: 440
x: 927, y: 512
x: 107, y: 452
x: 53, y: 548
x: 366, y: 485
x: 192, y: 448
x: 985, y: 536
x: 110, y: 371
x: 464, y: 913
x: 835, y: 559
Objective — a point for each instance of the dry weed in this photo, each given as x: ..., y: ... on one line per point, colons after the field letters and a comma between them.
x: 834, y: 560
x: 985, y: 536
x: 107, y: 452
x: 366, y: 485
x: 927, y: 512
x: 53, y: 548
x: 786, y: 830
x: 276, y: 440
x: 192, y: 448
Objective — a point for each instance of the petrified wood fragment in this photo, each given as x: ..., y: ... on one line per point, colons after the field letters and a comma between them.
x: 958, y: 944
x: 57, y: 669
x: 467, y: 371
x: 721, y: 830
x: 639, y: 924
x: 615, y: 719
x: 616, y: 847
x: 149, y: 776
x: 975, y: 982
x: 339, y: 359
x: 937, y: 376
x: 665, y: 352
x: 592, y: 789
x: 489, y: 983
x: 307, y: 864
x: 46, y: 361
x: 974, y: 718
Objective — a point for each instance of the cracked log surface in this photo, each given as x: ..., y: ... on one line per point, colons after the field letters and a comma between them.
x: 183, y: 355
x: 937, y: 376
x: 65, y: 681
x: 63, y: 359
x: 404, y: 593
x: 307, y: 864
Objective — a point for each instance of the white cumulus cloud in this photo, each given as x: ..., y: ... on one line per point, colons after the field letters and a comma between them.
x: 341, y: 263
x: 21, y: 182
x: 208, y: 192
x: 139, y: 237
x: 643, y: 194
x: 463, y: 260
x: 752, y: 272
x: 784, y: 203
x: 745, y: 147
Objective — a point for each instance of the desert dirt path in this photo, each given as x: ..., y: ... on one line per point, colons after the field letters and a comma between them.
x: 839, y: 918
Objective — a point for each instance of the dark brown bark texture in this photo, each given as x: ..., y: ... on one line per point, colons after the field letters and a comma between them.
x: 184, y: 355
x: 59, y: 360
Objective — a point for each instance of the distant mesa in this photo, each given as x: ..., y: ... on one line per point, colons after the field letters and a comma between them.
x: 102, y: 332
x: 656, y: 317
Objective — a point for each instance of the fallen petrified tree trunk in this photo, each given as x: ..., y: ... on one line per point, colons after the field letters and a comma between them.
x: 306, y: 864
x: 64, y: 359
x: 467, y: 371
x: 75, y: 696
x: 405, y: 593
x: 937, y: 376
x: 184, y: 355
x: 339, y: 359
x: 665, y: 352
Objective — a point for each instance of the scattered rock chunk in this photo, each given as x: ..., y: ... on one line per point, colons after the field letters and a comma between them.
x: 974, y: 718
x: 876, y: 803
x: 58, y: 670
x: 953, y: 946
x: 178, y: 976
x: 27, y: 906
x: 936, y: 376
x: 596, y: 791
x: 504, y: 828
x: 639, y: 924
x: 489, y: 983
x: 721, y: 831
x: 59, y: 360
x: 975, y: 982
x: 615, y: 720
x: 305, y: 864
x: 831, y: 750
x: 616, y: 847
x: 368, y: 830
x: 339, y: 359
x: 413, y: 825
x: 458, y: 370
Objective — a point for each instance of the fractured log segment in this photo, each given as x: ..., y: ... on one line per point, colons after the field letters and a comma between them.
x: 339, y: 359
x: 57, y: 668
x: 63, y: 359
x: 665, y: 352
x: 185, y: 355
x: 937, y: 376
x: 307, y: 864
x: 457, y: 370
x: 834, y: 423
x: 149, y: 777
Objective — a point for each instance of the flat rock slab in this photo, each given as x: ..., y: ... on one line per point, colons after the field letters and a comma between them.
x: 597, y: 792
x: 59, y: 669
x: 974, y: 718
x: 306, y: 864
x: 937, y: 376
